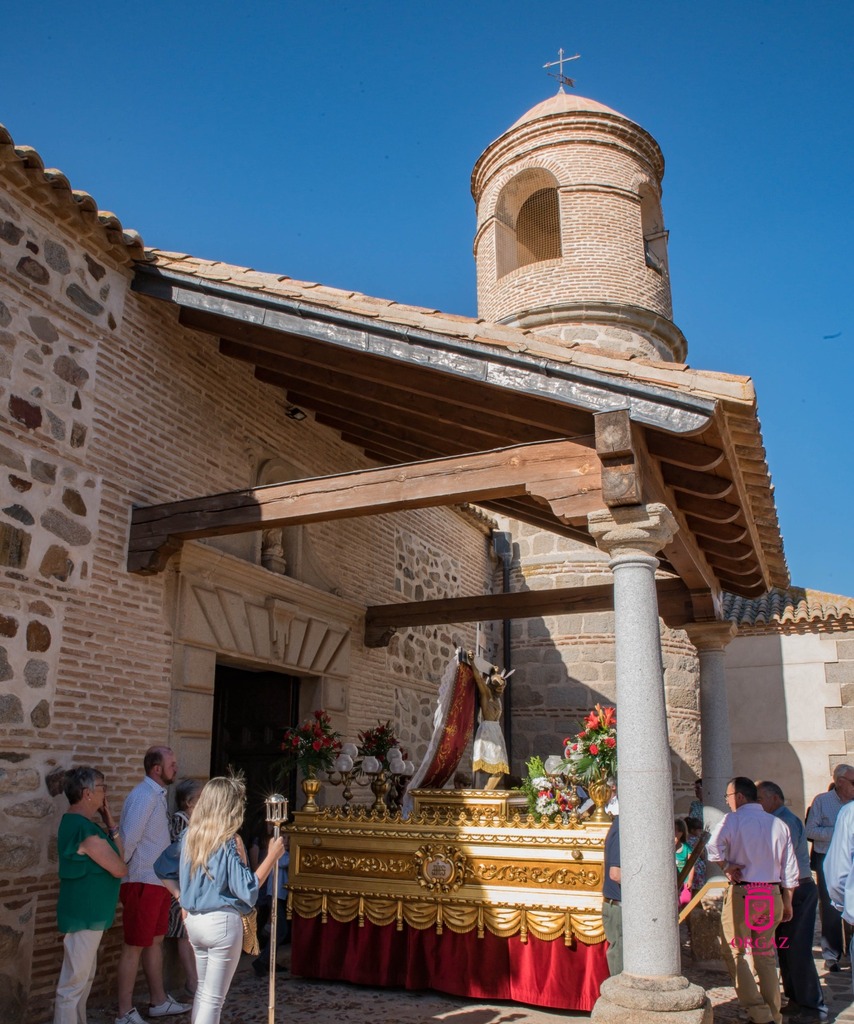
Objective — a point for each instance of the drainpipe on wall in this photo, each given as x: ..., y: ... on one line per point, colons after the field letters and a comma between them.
x: 502, y: 545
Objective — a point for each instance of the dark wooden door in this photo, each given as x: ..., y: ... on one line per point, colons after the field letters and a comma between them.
x: 251, y: 711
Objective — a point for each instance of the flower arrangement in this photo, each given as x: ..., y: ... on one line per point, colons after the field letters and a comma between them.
x: 591, y: 755
x: 378, y: 741
x: 310, y: 747
x: 544, y: 794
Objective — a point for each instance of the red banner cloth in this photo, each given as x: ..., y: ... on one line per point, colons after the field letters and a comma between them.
x: 456, y: 731
x: 538, y: 972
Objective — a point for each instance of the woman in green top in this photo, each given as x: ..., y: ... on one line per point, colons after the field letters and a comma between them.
x: 90, y: 868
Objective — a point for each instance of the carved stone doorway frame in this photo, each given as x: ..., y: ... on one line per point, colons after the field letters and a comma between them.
x: 222, y: 609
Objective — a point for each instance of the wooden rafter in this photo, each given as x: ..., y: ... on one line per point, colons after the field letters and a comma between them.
x: 386, y: 400
x: 560, y: 419
x: 564, y: 474
x: 381, y: 621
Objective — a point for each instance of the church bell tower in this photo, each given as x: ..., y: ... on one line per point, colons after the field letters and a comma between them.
x: 570, y: 238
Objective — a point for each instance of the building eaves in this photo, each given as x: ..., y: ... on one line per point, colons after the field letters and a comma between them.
x: 51, y: 187
x: 670, y: 397
x: 790, y: 610
x: 677, y: 378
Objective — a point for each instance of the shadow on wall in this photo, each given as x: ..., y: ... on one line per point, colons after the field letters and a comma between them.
x: 565, y: 665
x: 778, y: 702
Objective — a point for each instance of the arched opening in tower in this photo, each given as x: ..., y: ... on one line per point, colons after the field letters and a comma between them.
x: 527, y: 221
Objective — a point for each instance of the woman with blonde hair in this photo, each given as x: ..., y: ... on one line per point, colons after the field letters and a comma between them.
x: 215, y: 886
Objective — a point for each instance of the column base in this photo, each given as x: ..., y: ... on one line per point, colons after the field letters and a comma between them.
x: 632, y: 999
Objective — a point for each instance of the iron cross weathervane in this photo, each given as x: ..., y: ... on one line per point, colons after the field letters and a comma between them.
x: 560, y: 76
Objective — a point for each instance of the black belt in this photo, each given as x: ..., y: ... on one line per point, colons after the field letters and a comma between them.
x: 607, y: 899
x: 743, y: 885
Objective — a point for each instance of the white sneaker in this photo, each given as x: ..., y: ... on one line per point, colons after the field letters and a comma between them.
x: 131, y: 1017
x: 168, y: 1008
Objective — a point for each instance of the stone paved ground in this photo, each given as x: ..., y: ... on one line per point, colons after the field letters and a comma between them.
x: 317, y: 1002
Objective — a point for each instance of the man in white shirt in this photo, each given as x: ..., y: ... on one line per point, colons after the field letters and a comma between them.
x: 839, y: 864
x: 144, y: 828
x: 756, y: 854
x: 820, y: 823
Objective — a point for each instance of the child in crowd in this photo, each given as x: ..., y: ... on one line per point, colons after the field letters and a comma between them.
x: 683, y: 853
x: 186, y: 793
x: 696, y: 833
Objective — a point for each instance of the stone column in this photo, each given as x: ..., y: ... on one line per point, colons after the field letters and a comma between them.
x: 651, y: 987
x: 710, y: 640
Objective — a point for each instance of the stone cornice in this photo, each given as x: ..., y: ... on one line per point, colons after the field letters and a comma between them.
x: 217, y: 601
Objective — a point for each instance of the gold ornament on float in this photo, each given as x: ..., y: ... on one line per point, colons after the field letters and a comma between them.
x: 440, y: 868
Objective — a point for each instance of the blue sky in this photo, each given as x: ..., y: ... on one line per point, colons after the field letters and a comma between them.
x: 334, y: 142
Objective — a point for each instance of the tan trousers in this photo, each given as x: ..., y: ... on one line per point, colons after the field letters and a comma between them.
x: 76, y: 976
x: 749, y: 949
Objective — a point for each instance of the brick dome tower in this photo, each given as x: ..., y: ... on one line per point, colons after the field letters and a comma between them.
x: 570, y: 235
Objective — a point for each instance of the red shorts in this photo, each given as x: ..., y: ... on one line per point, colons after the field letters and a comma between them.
x: 146, y: 912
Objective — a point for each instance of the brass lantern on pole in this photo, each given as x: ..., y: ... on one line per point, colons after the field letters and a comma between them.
x: 277, y: 814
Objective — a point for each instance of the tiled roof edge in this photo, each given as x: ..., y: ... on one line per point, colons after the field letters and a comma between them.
x: 729, y: 388
x: 790, y: 608
x: 53, y: 184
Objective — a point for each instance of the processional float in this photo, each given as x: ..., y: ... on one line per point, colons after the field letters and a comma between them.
x: 463, y: 891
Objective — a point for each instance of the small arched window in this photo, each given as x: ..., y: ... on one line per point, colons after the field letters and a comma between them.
x: 654, y: 234
x: 527, y: 221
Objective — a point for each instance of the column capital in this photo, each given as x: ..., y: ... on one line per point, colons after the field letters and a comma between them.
x: 632, y: 530
x: 710, y: 636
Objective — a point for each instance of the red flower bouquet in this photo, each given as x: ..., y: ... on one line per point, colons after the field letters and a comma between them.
x: 591, y: 755
x: 377, y: 742
x: 310, y: 747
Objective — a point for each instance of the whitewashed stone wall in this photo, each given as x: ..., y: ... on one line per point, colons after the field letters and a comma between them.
x: 791, y: 705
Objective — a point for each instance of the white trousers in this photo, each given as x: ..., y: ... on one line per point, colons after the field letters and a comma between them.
x: 76, y: 976
x: 217, y: 941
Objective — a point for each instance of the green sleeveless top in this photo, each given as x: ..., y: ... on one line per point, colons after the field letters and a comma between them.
x: 87, y: 892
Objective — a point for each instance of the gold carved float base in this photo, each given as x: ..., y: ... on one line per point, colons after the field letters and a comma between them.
x: 464, y: 860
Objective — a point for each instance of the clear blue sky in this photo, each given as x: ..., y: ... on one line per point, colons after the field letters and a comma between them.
x: 333, y: 142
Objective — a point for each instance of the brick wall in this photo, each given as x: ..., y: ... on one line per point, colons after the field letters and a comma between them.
x: 602, y: 165
x: 107, y: 402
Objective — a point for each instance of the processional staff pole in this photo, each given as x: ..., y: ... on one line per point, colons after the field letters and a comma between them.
x: 277, y: 815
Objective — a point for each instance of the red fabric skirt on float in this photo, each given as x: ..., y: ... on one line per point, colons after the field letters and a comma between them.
x: 536, y: 972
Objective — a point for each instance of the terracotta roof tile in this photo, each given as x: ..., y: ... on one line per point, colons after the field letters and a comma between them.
x: 720, y: 386
x: 783, y: 610
x: 53, y: 181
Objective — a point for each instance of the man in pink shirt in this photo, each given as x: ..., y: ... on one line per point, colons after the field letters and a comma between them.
x: 756, y: 854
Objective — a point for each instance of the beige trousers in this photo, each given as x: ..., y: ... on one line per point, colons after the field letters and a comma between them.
x: 749, y: 951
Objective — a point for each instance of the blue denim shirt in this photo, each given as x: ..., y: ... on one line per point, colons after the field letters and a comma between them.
x: 227, y: 883
x: 799, y: 839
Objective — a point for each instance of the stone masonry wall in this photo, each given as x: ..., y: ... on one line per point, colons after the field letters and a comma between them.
x: 565, y: 664
x: 105, y: 403
x: 420, y: 655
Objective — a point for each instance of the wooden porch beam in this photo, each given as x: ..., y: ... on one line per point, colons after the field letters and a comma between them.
x: 564, y: 474
x: 382, y: 621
